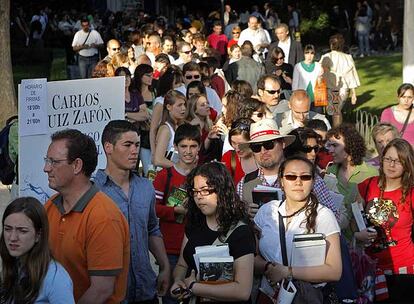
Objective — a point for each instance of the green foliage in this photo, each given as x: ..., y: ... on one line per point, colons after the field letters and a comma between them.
x: 316, y: 24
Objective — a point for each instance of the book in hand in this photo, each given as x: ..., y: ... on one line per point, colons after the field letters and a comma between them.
x: 359, y: 216
x: 264, y: 194
x: 177, y: 197
x: 216, y: 270
x: 308, y: 250
x: 211, y: 251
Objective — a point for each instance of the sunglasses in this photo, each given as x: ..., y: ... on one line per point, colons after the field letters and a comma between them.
x: 241, y: 126
x: 273, y: 92
x: 187, y: 52
x: 267, y: 145
x: 293, y: 177
x: 308, y: 149
x: 280, y: 58
x: 192, y: 77
x: 116, y: 49
x: 236, y: 33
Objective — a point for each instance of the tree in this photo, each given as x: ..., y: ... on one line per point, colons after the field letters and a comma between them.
x: 7, y: 97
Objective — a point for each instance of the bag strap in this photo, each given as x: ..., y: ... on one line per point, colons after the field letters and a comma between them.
x: 406, y: 122
x: 167, y: 185
x: 234, y: 227
x: 86, y: 38
x: 282, y: 235
x: 233, y: 163
x: 367, y: 188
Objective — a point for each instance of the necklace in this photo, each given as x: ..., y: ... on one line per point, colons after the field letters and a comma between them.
x: 294, y: 213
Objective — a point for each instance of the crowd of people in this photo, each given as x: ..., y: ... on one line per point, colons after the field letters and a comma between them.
x: 214, y: 112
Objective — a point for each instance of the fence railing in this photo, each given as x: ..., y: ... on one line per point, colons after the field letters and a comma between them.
x: 364, y: 123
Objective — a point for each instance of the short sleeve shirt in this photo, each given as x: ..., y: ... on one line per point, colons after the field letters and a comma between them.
x: 81, y: 38
x: 90, y: 240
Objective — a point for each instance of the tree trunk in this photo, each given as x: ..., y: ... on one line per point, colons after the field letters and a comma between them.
x: 7, y: 96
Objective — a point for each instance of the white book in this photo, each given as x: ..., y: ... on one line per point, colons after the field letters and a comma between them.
x: 210, y: 251
x: 357, y: 211
x: 308, y: 250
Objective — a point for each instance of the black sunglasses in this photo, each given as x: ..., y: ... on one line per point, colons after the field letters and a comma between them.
x: 241, y: 126
x: 192, y: 77
x: 308, y: 149
x: 116, y: 49
x: 267, y: 145
x: 273, y: 92
x: 293, y: 177
x: 187, y: 52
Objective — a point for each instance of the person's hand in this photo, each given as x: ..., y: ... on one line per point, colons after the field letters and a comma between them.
x: 178, y: 290
x: 366, y: 236
x: 275, y: 273
x: 278, y: 72
x: 163, y: 282
x: 253, y: 208
x: 353, y: 99
x: 214, y: 133
x: 180, y: 210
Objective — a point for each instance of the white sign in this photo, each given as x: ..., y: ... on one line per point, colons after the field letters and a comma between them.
x: 33, y: 107
x: 86, y: 105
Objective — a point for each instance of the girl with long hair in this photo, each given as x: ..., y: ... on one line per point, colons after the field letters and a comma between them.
x: 388, y: 203
x: 214, y: 210
x: 174, y: 110
x: 301, y: 213
x: 29, y: 274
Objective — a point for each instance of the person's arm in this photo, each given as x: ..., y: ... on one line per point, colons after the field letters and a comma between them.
x: 180, y: 270
x: 353, y: 96
x: 155, y: 122
x: 330, y: 271
x: 142, y: 115
x: 238, y: 290
x: 157, y: 248
x: 163, y: 137
x: 295, y: 78
x: 100, y: 290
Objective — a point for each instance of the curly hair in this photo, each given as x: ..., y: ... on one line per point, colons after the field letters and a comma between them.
x: 406, y: 157
x: 311, y: 209
x: 354, y: 142
x: 233, y: 99
x: 230, y: 210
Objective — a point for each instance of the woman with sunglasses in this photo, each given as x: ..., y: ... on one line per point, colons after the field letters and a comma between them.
x: 299, y: 213
x: 280, y: 68
x: 239, y: 161
x: 28, y: 273
x: 401, y: 114
x: 389, y: 204
x: 307, y: 72
x: 235, y: 37
x: 214, y: 210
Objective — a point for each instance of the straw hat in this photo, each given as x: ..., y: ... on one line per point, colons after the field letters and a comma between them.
x: 266, y: 129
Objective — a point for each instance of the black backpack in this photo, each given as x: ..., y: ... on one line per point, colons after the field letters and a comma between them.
x: 7, y: 173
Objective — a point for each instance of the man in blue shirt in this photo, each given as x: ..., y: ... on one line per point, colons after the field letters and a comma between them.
x: 135, y: 196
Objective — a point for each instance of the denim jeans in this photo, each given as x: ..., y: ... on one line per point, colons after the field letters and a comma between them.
x: 173, y: 259
x: 86, y: 65
x: 363, y: 41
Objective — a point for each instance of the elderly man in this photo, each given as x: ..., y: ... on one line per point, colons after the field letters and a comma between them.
x: 86, y: 43
x: 299, y: 113
x: 292, y: 48
x: 259, y: 37
x: 153, y: 47
x: 113, y: 47
x: 88, y: 235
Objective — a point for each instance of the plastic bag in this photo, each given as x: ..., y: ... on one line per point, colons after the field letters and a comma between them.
x: 320, y: 93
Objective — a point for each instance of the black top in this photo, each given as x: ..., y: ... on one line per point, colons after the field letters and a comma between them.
x: 241, y: 242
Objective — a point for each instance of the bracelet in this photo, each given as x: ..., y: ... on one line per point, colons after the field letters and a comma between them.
x: 290, y: 273
x: 267, y: 266
x: 190, y: 287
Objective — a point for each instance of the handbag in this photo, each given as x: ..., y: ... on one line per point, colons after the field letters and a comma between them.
x: 320, y: 93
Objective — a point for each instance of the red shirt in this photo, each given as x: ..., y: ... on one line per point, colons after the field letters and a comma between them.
x: 238, y: 171
x: 218, y: 42
x: 173, y: 232
x: 231, y: 42
x: 401, y: 256
x: 217, y: 83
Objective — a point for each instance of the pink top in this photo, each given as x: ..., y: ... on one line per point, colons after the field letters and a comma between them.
x: 388, y: 116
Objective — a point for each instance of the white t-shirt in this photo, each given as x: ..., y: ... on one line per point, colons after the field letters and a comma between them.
x: 80, y: 38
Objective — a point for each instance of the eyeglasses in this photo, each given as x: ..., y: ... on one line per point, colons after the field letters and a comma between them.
x: 192, y: 77
x: 272, y: 92
x: 241, y: 126
x: 293, y: 177
x: 187, y: 52
x: 116, y: 49
x: 267, y: 145
x: 395, y: 162
x: 202, y: 192
x: 308, y: 149
x: 53, y: 162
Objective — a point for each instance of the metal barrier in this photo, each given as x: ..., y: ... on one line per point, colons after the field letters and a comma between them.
x: 364, y: 123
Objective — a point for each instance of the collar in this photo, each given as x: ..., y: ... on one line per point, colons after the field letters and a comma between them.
x: 80, y: 204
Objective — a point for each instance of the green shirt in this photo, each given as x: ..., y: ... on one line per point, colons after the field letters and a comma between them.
x: 350, y: 190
